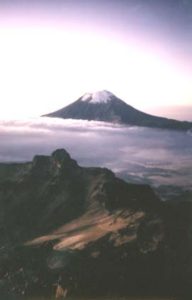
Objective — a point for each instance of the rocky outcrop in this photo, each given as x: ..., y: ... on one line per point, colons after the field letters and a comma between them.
x: 88, y: 232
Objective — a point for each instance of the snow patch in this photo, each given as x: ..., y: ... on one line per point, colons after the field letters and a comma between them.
x: 97, y: 97
x: 86, y: 97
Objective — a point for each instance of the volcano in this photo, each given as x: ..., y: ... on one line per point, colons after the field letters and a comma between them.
x: 105, y: 106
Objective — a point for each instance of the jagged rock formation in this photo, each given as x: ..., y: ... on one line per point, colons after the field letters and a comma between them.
x: 104, y: 106
x: 89, y: 232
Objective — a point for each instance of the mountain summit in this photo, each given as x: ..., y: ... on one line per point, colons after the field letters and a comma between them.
x: 90, y: 233
x: 98, y: 97
x: 105, y: 106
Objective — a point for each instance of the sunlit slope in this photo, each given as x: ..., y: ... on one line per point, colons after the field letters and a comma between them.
x: 89, y: 230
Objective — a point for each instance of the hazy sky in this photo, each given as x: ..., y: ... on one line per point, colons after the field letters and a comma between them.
x: 52, y: 52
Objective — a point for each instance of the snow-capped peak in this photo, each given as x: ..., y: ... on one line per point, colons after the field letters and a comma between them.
x: 97, y: 97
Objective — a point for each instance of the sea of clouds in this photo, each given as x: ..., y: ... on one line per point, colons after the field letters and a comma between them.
x: 138, y: 154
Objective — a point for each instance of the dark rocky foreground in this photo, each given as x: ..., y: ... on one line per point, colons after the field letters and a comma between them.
x: 90, y: 232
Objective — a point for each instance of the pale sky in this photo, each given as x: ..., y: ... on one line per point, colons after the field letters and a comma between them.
x: 50, y: 57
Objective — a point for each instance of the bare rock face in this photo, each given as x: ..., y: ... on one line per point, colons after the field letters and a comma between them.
x: 88, y: 232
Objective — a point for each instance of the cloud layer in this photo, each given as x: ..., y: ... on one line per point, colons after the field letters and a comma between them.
x: 158, y: 157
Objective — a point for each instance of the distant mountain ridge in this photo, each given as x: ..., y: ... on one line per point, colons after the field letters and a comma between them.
x: 105, y: 106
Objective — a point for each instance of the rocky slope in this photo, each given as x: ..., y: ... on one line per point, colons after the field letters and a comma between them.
x: 88, y: 231
x: 104, y: 106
